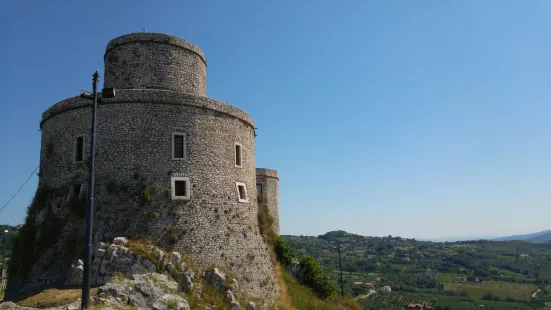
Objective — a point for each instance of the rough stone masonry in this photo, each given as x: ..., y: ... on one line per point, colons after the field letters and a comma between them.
x: 172, y: 166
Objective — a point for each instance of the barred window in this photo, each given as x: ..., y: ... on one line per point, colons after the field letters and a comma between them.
x: 178, y: 145
x: 180, y: 188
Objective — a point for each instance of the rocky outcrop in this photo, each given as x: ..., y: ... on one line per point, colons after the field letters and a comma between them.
x: 147, y: 279
x: 110, y: 260
x: 144, y: 291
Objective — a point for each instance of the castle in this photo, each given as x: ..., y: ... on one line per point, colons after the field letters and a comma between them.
x: 172, y: 166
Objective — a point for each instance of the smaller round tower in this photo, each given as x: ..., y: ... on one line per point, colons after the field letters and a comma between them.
x: 155, y: 61
x: 267, y: 187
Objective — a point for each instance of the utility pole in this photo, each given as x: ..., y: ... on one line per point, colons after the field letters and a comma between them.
x: 3, y: 256
x: 340, y: 267
x: 106, y: 93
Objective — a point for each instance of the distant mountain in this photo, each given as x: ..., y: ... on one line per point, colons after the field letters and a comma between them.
x: 542, y: 236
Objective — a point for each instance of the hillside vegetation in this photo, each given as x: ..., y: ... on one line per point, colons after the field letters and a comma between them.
x: 449, y: 275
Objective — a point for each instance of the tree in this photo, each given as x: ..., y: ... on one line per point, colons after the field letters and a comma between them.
x: 285, y: 253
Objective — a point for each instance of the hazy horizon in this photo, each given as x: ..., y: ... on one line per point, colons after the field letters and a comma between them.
x: 416, y: 119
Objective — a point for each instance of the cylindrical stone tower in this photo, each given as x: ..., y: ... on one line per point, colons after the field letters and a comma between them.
x: 155, y: 61
x: 172, y: 165
x: 267, y: 187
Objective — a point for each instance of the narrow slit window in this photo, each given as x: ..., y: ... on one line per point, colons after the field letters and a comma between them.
x: 242, y: 192
x: 76, y: 191
x: 238, y: 155
x: 180, y: 188
x: 259, y: 188
x: 178, y: 146
x: 79, y: 149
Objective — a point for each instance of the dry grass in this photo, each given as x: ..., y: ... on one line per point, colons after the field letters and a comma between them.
x: 284, y: 301
x: 102, y: 306
x: 209, y: 295
x: 54, y: 298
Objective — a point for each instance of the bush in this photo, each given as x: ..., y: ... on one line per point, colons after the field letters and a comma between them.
x: 285, y: 253
x: 316, y: 278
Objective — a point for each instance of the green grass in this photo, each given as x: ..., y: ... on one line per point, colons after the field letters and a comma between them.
x: 518, y: 291
x: 303, y: 298
x: 2, y: 295
x: 446, y: 277
x: 508, y: 273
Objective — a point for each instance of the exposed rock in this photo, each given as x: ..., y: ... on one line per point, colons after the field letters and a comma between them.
x: 176, y: 257
x: 296, y: 269
x: 251, y: 306
x: 76, y: 276
x: 187, y: 281
x: 234, y: 286
x: 229, y: 296
x: 216, y: 278
x: 10, y: 305
x: 143, y: 291
x: 198, y: 291
x: 235, y: 306
x: 172, y: 271
x: 120, y: 241
x: 169, y: 301
x: 142, y: 265
x: 115, y: 292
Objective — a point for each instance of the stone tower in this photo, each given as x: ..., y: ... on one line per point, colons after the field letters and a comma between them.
x: 267, y: 187
x: 172, y: 166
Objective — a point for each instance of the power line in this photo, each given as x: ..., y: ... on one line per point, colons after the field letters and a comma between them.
x: 30, y: 176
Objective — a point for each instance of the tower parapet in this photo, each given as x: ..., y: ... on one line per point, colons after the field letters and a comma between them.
x: 145, y: 60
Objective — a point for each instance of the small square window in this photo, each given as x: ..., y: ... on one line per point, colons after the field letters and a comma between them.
x: 242, y: 192
x: 178, y: 145
x: 180, y: 188
x: 79, y: 149
x: 238, y: 155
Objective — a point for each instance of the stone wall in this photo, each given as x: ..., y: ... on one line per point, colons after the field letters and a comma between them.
x: 270, y: 188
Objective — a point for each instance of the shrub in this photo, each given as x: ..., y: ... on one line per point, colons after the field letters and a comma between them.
x: 285, y: 253
x: 145, y: 194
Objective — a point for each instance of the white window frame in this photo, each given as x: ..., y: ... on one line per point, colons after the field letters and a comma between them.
x: 173, y: 188
x: 240, y: 155
x: 75, y: 151
x: 237, y: 184
x: 72, y: 192
x: 174, y: 134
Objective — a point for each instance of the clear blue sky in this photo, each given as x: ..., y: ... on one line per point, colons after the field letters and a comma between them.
x: 414, y: 118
